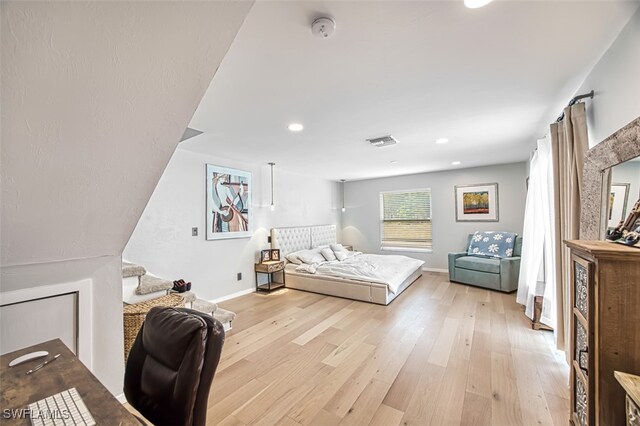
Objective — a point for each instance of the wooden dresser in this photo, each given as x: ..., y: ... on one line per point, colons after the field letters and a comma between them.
x: 605, y: 329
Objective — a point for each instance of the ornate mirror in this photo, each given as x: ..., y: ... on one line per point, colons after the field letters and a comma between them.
x: 621, y: 146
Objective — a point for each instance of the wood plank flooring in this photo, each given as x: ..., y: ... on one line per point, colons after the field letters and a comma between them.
x: 440, y: 354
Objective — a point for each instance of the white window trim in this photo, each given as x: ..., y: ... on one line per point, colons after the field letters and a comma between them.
x: 381, y: 223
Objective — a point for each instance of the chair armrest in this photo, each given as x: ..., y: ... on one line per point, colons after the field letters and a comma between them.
x: 452, y: 262
x: 509, y: 273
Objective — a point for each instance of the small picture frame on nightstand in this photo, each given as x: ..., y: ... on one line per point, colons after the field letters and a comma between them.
x: 265, y: 256
x: 275, y: 255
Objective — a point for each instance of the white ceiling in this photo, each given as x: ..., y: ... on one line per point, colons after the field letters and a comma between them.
x: 490, y: 80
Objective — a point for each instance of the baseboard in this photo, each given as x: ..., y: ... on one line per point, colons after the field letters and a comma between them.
x: 121, y: 398
x: 444, y: 271
x: 232, y: 295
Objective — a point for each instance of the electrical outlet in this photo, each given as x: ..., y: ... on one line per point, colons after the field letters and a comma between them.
x: 194, y: 231
x: 239, y: 276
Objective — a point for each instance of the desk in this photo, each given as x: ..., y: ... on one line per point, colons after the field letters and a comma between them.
x: 19, y: 390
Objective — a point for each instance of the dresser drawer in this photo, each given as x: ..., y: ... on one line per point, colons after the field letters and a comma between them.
x: 581, y: 283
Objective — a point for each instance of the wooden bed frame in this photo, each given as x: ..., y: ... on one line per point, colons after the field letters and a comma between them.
x: 293, y: 239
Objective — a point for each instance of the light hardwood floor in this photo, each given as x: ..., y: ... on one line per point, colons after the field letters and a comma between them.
x: 440, y: 354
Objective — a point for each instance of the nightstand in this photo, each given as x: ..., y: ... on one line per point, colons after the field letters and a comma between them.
x: 270, y: 269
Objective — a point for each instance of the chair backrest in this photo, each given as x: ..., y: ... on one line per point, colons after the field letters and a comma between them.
x: 517, y: 247
x: 171, y: 366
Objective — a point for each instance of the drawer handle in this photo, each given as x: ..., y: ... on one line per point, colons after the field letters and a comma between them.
x: 580, y: 352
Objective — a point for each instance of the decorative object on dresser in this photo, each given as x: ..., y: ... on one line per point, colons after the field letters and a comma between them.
x: 621, y: 146
x: 605, y: 295
x: 631, y: 384
x: 270, y: 270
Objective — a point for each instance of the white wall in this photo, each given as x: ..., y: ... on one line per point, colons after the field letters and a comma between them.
x: 615, y: 82
x: 361, y: 221
x: 106, y: 306
x: 162, y: 240
x: 95, y: 97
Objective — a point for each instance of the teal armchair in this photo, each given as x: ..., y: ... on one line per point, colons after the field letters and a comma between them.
x: 494, y: 274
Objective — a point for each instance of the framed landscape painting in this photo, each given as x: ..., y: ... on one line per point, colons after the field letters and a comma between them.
x: 228, y: 203
x: 477, y: 203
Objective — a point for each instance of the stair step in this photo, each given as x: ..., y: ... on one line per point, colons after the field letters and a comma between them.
x: 224, y: 316
x: 189, y: 296
x: 132, y: 270
x: 204, y: 306
x: 150, y: 284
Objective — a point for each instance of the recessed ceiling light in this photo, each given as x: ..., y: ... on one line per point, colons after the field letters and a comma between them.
x: 441, y: 141
x: 295, y: 127
x: 394, y: 162
x: 474, y: 4
x: 455, y: 163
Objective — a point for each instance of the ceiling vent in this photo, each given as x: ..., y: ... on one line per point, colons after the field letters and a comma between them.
x: 383, y: 141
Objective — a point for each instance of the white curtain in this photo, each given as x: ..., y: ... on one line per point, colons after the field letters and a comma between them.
x: 537, y: 267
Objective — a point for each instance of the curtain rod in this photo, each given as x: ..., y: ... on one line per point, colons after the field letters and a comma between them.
x: 573, y: 101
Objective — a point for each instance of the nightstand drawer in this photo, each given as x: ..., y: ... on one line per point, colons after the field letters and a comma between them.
x: 270, y: 266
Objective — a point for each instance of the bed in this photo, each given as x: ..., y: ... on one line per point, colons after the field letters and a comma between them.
x: 369, y: 278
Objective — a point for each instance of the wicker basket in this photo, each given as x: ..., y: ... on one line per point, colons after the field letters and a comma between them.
x: 134, y: 315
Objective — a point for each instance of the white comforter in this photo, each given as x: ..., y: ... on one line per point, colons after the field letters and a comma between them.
x: 391, y: 270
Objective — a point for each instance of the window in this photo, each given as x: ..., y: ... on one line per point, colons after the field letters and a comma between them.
x: 405, y: 218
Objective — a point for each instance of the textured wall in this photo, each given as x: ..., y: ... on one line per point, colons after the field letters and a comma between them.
x: 162, y: 240
x: 95, y: 97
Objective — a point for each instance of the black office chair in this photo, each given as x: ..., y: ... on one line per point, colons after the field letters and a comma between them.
x: 171, y: 366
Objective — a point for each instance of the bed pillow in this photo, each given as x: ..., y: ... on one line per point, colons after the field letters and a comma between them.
x: 310, y: 256
x: 328, y: 254
x: 492, y: 244
x: 293, y: 258
x: 341, y: 255
x: 337, y: 247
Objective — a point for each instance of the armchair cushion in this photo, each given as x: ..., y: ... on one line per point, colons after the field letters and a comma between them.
x: 482, y: 264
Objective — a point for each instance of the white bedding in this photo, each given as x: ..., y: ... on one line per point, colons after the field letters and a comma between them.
x: 391, y: 270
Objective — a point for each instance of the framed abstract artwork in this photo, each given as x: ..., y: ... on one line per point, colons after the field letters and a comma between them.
x: 477, y: 203
x: 618, y: 197
x: 228, y: 203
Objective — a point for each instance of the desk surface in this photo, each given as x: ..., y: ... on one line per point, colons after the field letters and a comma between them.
x: 19, y: 389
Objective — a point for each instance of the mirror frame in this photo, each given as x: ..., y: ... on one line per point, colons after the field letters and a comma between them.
x: 621, y: 146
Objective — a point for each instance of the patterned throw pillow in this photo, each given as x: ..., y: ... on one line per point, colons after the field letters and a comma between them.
x: 492, y: 244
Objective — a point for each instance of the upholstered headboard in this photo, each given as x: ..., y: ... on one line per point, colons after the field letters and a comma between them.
x: 297, y: 238
x: 323, y: 235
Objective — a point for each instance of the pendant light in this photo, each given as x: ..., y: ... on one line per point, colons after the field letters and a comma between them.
x: 343, y: 207
x: 273, y: 206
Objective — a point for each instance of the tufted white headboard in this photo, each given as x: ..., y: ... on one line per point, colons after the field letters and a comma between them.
x: 323, y: 235
x: 297, y: 238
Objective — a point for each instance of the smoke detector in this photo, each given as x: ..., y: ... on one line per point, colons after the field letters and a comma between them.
x: 383, y: 141
x: 323, y: 27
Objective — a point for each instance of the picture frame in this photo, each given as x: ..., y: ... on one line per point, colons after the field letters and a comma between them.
x: 477, y: 203
x: 265, y: 256
x: 229, y: 212
x: 617, y: 203
x: 275, y: 255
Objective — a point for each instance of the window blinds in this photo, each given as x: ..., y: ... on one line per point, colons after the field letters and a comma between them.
x: 406, y: 218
